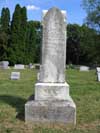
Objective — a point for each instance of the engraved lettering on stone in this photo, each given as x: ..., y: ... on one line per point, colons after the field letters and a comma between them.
x: 54, y: 48
x: 52, y: 101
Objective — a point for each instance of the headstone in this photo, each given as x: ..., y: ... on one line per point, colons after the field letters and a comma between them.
x: 31, y: 66
x: 52, y: 101
x: 84, y: 68
x: 4, y: 64
x: 37, y: 66
x: 15, y: 75
x: 19, y: 66
x: 98, y: 73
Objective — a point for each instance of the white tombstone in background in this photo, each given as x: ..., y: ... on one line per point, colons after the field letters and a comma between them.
x: 84, y: 68
x: 98, y: 73
x: 37, y: 66
x: 4, y: 64
x: 31, y: 66
x: 15, y: 75
x: 19, y: 66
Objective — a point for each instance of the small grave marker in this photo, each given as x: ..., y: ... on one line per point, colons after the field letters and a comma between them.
x: 19, y: 66
x: 4, y: 64
x: 84, y: 68
x: 98, y: 73
x: 15, y: 75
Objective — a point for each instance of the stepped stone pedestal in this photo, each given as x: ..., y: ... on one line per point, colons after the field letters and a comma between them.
x: 60, y: 111
x: 52, y: 102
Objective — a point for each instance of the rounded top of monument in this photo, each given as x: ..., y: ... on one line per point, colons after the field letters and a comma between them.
x: 54, y: 10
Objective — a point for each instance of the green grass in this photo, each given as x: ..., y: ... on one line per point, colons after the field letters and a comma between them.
x: 84, y: 89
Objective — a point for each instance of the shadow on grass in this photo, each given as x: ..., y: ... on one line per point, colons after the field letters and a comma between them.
x: 17, y: 102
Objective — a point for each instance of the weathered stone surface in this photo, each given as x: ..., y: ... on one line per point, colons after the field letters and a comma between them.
x: 15, y: 75
x: 51, y: 111
x: 98, y: 73
x: 62, y: 11
x: 19, y: 66
x: 84, y: 68
x: 4, y: 64
x: 30, y: 66
x: 37, y: 66
x: 54, y: 47
x: 52, y: 102
x: 51, y: 91
x: 98, y: 69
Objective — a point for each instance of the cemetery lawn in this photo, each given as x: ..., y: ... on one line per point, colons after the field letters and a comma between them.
x: 84, y: 89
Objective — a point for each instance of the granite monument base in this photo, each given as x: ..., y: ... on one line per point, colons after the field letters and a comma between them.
x: 58, y: 111
x: 51, y: 91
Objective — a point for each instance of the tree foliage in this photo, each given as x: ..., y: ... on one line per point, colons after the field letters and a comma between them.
x: 25, y: 46
x: 82, y: 45
x: 73, y: 43
x: 4, y: 33
x: 5, y: 19
x: 92, y: 8
x: 16, y: 48
x: 20, y: 40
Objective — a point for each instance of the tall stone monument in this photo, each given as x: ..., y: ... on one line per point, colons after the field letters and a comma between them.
x: 52, y: 101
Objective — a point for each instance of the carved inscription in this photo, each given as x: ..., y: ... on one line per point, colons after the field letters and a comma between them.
x: 53, y: 47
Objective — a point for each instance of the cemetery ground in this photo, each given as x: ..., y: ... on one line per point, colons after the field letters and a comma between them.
x: 84, y: 89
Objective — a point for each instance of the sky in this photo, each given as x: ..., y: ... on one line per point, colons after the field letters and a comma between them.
x: 75, y: 13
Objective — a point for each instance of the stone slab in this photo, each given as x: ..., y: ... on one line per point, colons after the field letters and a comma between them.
x: 98, y: 76
x: 15, y: 75
x: 19, y: 66
x: 84, y: 68
x: 37, y: 66
x: 52, y: 102
x: 98, y: 73
x: 51, y: 91
x: 31, y: 66
x: 98, y: 69
x: 4, y: 64
x: 51, y: 111
x: 53, y: 47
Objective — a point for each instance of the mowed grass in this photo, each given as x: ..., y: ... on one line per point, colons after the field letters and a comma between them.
x: 84, y: 89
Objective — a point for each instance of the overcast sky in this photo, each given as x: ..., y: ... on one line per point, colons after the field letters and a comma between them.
x: 75, y: 13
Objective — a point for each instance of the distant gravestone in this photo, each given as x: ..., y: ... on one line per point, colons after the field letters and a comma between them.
x: 15, y: 75
x: 52, y: 101
x: 98, y: 73
x: 19, y: 66
x: 84, y: 68
x: 37, y: 66
x: 31, y: 66
x: 4, y: 64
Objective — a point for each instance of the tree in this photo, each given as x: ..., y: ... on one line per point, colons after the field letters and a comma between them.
x: 38, y: 29
x: 73, y: 43
x: 23, y: 31
x: 4, y: 33
x: 15, y: 55
x: 92, y: 8
x: 82, y: 45
x: 18, y: 35
x: 0, y: 22
x: 3, y: 46
x: 88, y: 45
x: 33, y: 42
x: 5, y: 19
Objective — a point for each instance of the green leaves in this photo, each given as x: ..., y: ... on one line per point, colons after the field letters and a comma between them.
x: 82, y: 45
x: 18, y: 35
x: 4, y: 33
x: 92, y: 8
